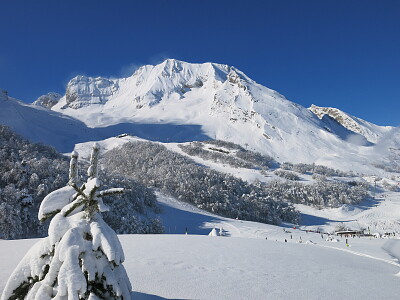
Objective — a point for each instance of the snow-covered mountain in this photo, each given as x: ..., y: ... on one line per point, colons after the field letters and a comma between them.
x: 179, y: 101
x: 228, y: 105
x: 48, y: 100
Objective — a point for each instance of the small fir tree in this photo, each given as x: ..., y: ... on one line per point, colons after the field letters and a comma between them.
x: 82, y: 257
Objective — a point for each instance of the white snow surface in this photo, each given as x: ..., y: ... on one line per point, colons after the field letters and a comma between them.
x: 178, y: 102
x: 56, y: 200
x: 202, y: 267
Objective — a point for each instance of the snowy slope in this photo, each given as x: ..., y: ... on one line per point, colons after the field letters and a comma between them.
x: 42, y: 125
x: 61, y: 131
x: 203, y: 267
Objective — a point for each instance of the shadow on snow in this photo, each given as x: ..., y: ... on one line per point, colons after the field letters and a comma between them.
x: 63, y: 132
x: 143, y: 296
x: 176, y: 221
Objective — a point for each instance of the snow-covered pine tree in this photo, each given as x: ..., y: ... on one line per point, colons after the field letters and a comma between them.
x: 82, y: 257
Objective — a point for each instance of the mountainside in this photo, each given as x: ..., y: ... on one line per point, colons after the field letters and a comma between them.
x: 178, y: 102
x: 42, y: 125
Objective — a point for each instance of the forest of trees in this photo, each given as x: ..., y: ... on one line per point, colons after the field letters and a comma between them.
x: 236, y: 156
x: 320, y: 194
x: 315, y: 169
x: 28, y: 172
x: 287, y: 175
x: 153, y: 165
x: 229, y: 153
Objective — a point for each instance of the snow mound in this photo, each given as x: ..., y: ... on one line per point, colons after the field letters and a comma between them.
x: 332, y: 239
x: 213, y: 232
x: 55, y: 201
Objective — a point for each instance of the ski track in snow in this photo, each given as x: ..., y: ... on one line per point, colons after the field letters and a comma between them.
x: 362, y: 254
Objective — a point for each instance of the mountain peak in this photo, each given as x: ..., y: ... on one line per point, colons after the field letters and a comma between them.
x: 150, y: 83
x: 48, y: 100
x: 370, y: 131
x: 83, y: 91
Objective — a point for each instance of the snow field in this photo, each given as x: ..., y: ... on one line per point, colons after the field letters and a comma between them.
x: 202, y: 267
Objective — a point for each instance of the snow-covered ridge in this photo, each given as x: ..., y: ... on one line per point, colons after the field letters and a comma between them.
x: 83, y: 91
x: 370, y: 131
x: 149, y: 85
x: 48, y: 100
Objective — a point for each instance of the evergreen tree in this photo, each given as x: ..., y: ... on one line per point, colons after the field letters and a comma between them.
x: 82, y: 257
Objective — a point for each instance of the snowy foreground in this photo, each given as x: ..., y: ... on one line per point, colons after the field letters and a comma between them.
x: 202, y: 267
x: 244, y: 264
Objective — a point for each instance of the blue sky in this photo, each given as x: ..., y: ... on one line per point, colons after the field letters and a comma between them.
x: 344, y: 54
